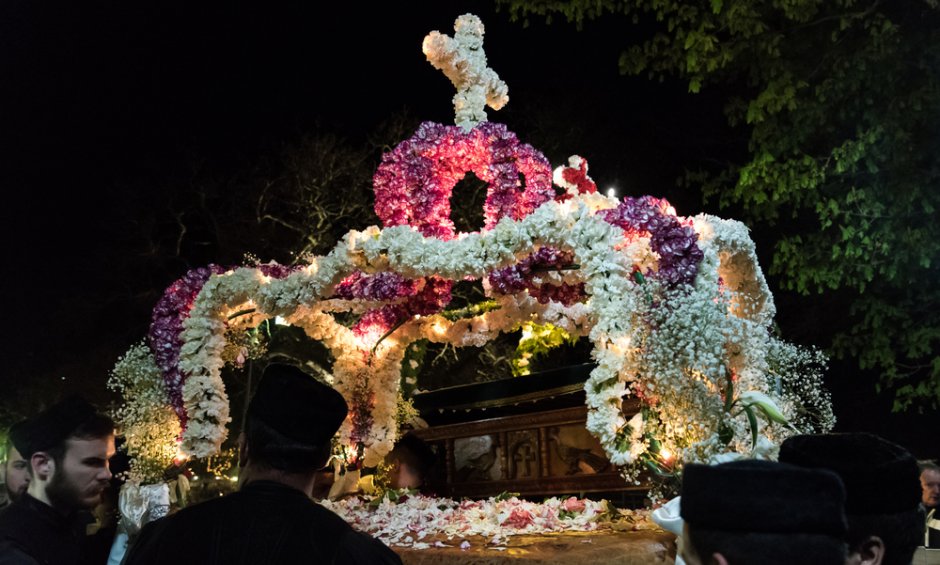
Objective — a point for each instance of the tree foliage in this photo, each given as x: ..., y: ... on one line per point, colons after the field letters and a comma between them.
x: 840, y: 100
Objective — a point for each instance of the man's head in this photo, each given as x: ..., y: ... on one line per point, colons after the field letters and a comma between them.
x: 291, y: 422
x: 882, y: 492
x: 761, y: 512
x: 411, y: 461
x: 930, y: 485
x: 68, y: 447
x: 16, y: 467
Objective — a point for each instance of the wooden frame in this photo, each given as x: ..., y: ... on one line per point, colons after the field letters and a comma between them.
x: 525, y: 455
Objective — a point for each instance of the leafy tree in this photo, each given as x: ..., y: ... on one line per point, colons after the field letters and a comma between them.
x: 841, y: 100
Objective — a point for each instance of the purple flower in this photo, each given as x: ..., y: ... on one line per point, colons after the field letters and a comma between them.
x: 431, y: 299
x: 519, y: 277
x: 679, y: 255
x: 380, y: 286
x: 166, y: 328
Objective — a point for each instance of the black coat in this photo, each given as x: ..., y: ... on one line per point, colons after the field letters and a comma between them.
x: 263, y: 523
x: 32, y: 532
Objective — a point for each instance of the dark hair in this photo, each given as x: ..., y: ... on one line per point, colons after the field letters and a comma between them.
x: 269, y: 448
x: 901, y: 533
x: 928, y: 466
x: 415, y: 453
x: 767, y: 549
x: 95, y: 426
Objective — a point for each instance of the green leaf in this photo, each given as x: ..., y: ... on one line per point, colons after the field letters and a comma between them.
x: 752, y: 422
x: 766, y: 405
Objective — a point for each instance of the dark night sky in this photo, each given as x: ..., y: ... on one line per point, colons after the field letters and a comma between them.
x: 101, y: 105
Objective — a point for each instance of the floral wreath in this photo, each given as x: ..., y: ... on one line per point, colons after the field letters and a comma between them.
x: 677, y: 309
x: 414, y: 182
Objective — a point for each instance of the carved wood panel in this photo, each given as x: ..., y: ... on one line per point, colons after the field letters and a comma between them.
x: 541, y: 453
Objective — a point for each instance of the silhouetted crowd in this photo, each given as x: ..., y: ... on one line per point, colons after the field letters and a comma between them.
x: 831, y: 499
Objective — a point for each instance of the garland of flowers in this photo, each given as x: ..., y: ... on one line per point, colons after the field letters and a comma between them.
x: 413, y: 184
x: 167, y: 321
x: 619, y: 313
x: 671, y: 338
x: 166, y: 327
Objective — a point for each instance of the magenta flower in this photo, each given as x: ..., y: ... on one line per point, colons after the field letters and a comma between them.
x: 413, y: 184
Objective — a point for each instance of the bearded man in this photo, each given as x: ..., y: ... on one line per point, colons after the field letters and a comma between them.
x: 15, y: 468
x: 68, y: 448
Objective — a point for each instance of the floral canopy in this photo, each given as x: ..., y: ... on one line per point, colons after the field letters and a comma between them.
x: 677, y: 309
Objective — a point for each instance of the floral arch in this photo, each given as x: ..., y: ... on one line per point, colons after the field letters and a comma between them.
x: 677, y: 309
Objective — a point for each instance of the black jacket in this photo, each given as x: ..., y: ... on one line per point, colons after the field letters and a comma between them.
x: 263, y: 523
x: 32, y: 532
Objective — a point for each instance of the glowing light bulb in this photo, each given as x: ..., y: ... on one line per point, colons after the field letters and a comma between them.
x: 665, y: 454
x: 611, y: 192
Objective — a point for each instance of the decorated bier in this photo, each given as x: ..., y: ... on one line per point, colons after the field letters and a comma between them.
x: 520, y: 434
x: 676, y: 309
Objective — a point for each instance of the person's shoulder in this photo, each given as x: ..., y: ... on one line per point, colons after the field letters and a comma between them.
x: 16, y: 520
x: 198, y: 513
x: 321, y: 513
x: 11, y: 553
x: 158, y: 537
x: 352, y: 547
x: 357, y: 547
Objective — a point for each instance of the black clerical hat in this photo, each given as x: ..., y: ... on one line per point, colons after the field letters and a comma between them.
x: 880, y: 477
x: 763, y: 497
x: 18, y: 438
x: 297, y: 406
x: 52, y: 426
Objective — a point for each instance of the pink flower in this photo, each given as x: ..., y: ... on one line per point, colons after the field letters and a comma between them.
x: 518, y: 518
x: 573, y: 505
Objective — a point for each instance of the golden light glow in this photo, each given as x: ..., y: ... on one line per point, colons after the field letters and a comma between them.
x: 181, y: 456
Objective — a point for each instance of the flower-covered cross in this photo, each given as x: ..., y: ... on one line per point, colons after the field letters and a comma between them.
x: 462, y: 60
